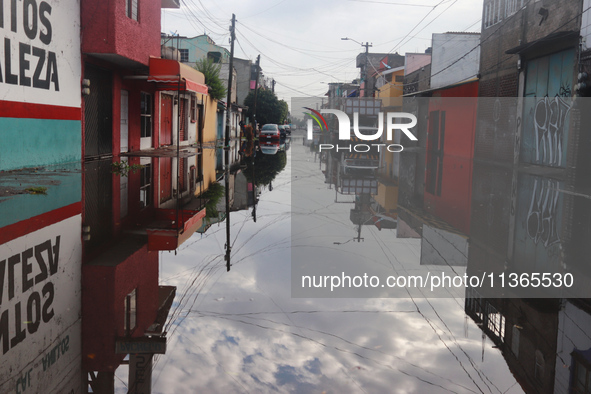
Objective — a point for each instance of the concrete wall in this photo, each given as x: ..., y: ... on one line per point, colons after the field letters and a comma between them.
x: 224, y: 76
x: 198, y: 47
x: 40, y: 112
x: 443, y: 247
x: 501, y: 76
x: 573, y: 321
x: 418, y: 80
x: 455, y: 58
x: 499, y: 70
x: 415, y: 61
x: 491, y: 206
x: 242, y: 79
x: 586, y: 25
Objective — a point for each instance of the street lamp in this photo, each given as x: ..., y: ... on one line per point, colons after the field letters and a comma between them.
x: 366, y: 45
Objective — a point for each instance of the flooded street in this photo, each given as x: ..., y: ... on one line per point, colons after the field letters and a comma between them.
x: 261, y: 327
x: 243, y: 332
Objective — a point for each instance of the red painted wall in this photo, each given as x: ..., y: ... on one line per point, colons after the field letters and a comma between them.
x: 106, y: 29
x: 136, y: 215
x: 104, y: 289
x: 453, y: 204
x: 135, y: 87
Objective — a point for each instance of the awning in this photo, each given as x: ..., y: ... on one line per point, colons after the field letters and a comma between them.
x: 552, y: 42
x: 453, y: 85
x: 164, y: 234
x: 172, y: 75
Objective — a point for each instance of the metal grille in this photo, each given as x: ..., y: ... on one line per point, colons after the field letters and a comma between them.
x: 183, y: 120
x: 98, y: 199
x: 165, y: 179
x: 98, y: 113
x: 166, y: 120
x: 183, y: 175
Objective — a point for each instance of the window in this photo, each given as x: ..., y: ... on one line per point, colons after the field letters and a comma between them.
x: 131, y: 9
x: 496, y: 322
x: 130, y: 312
x: 492, y: 13
x: 435, y: 144
x: 193, y: 109
x: 145, y: 185
x: 146, y: 114
x: 581, y: 378
x: 184, y: 55
x: 512, y: 6
x: 192, y: 178
x: 215, y: 57
x: 399, y: 78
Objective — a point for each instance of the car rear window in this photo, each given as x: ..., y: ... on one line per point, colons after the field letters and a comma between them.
x: 269, y: 127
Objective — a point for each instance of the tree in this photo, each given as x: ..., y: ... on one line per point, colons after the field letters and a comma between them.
x: 266, y: 167
x: 284, y: 110
x: 269, y: 108
x: 213, y: 195
x: 211, y: 71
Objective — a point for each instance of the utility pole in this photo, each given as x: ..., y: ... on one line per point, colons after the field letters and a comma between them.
x: 227, y: 143
x: 273, y: 86
x: 366, y: 45
x: 256, y: 89
x: 359, y: 239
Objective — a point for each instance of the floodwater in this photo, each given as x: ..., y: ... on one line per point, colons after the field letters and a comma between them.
x: 243, y: 332
x: 257, y: 327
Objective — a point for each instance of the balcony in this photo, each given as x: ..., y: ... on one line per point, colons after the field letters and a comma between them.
x: 165, y: 234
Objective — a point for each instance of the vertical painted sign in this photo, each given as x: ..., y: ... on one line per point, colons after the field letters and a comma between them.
x: 40, y: 307
x: 39, y: 83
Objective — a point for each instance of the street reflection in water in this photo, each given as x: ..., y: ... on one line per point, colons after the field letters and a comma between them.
x: 244, y: 332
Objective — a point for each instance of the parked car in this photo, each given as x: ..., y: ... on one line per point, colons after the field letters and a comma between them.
x: 282, y: 131
x: 269, y: 132
x: 288, y: 129
x: 269, y: 147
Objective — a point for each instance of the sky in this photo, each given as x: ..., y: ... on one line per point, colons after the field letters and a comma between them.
x: 300, y: 41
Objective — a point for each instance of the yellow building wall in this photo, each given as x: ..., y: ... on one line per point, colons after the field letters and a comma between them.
x: 387, y: 160
x: 209, y: 138
x: 210, y: 125
x: 209, y: 162
x: 387, y: 197
x: 391, y: 93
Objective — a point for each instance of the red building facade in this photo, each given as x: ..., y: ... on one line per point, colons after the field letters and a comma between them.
x: 450, y: 149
